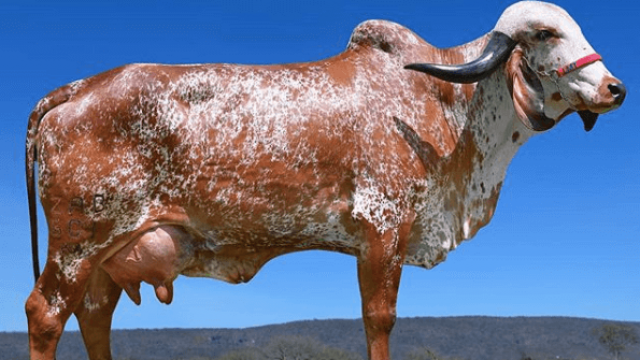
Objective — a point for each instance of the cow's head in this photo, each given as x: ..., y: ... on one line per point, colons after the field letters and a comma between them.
x: 550, y: 67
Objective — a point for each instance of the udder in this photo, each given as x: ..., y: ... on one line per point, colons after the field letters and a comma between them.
x: 154, y: 258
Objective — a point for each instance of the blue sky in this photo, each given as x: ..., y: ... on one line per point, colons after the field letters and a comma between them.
x: 566, y: 236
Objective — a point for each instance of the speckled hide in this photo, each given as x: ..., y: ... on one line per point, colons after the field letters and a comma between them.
x: 267, y: 159
x: 150, y: 171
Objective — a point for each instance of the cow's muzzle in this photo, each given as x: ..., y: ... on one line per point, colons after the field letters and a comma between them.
x: 611, y: 95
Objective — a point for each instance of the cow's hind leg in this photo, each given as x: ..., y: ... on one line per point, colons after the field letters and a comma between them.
x: 95, y: 312
x: 379, y: 269
x: 56, y: 295
x: 43, y: 314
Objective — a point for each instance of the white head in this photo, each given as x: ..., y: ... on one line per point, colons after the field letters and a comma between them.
x: 542, y: 38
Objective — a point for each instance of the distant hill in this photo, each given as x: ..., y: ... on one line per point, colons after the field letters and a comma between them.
x: 476, y: 338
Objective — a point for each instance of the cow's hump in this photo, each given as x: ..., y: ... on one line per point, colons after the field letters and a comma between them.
x: 385, y: 35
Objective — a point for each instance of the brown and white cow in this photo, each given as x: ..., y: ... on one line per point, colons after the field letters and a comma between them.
x: 150, y: 171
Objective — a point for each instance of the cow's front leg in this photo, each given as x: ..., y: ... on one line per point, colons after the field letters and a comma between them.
x: 95, y: 312
x: 379, y: 269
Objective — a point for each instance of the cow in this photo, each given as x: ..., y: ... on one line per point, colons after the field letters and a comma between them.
x: 393, y: 151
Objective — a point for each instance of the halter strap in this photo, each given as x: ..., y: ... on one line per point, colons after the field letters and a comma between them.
x: 589, y: 59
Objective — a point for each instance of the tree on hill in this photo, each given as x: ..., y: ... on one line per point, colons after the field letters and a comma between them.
x: 616, y: 337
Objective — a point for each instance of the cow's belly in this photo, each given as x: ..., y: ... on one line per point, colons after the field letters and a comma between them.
x: 234, y: 248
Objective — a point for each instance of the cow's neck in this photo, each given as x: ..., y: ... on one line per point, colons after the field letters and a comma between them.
x: 486, y: 145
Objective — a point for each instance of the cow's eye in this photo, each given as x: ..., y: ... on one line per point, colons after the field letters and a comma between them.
x: 544, y: 35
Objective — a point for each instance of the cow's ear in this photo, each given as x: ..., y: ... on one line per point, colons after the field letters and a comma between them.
x: 527, y: 93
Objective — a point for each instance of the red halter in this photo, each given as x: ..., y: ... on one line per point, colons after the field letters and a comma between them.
x: 589, y: 59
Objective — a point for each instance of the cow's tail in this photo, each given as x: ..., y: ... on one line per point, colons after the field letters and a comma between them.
x: 50, y: 101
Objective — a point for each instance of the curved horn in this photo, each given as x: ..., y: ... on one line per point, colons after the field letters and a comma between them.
x: 495, y: 53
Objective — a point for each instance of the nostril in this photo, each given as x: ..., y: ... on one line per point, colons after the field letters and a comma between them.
x: 618, y: 91
x: 615, y: 89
